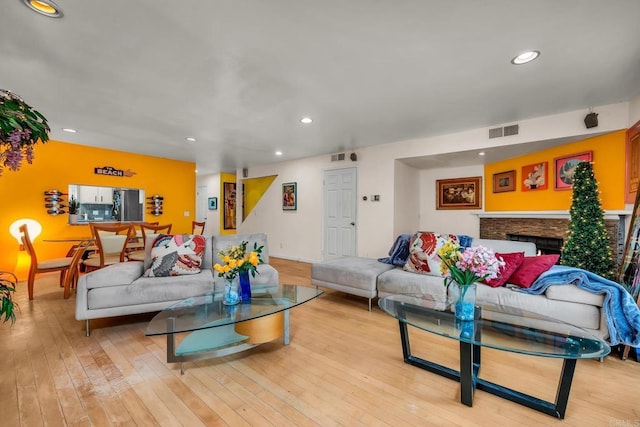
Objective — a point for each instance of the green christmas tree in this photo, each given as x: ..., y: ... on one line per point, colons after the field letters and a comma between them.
x: 587, y: 245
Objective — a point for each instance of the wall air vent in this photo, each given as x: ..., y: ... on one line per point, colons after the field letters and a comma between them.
x: 511, y: 130
x: 495, y: 133
x: 337, y: 157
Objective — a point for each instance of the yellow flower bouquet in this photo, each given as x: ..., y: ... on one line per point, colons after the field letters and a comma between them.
x: 236, y: 260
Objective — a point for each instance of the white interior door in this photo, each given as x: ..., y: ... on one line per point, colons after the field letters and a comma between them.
x: 339, y: 206
x: 201, y: 204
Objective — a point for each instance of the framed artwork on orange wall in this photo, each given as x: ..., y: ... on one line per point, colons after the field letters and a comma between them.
x: 633, y: 163
x: 534, y: 177
x: 565, y: 167
x: 504, y: 181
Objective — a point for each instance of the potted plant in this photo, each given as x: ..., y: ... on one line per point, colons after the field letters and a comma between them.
x: 74, y: 205
x: 7, y: 287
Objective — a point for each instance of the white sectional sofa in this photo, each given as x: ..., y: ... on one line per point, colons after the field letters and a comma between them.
x: 368, y: 278
x: 121, y: 289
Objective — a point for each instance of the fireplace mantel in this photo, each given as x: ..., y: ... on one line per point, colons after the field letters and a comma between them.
x: 609, y: 215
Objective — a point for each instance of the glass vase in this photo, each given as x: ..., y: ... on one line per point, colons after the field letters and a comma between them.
x: 464, y: 300
x: 245, y: 286
x: 231, y: 291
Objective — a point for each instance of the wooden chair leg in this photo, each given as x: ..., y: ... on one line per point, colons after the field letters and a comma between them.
x: 625, y: 352
x: 32, y: 278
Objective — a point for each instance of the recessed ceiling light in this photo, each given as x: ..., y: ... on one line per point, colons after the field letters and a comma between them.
x: 525, y: 57
x: 482, y: 153
x: 44, y: 7
x: 69, y: 130
x: 278, y: 153
x: 190, y: 139
x: 306, y: 120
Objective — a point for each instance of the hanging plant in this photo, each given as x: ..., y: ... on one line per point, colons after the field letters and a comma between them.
x: 21, y: 127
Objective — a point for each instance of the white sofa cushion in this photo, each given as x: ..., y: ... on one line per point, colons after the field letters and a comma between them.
x: 572, y: 293
x: 581, y: 315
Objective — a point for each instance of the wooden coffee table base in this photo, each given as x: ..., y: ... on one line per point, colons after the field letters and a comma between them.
x: 216, y: 341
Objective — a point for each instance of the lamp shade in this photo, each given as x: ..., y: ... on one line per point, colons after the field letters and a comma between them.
x: 33, y: 226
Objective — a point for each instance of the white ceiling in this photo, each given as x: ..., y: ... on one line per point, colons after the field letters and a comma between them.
x: 140, y: 76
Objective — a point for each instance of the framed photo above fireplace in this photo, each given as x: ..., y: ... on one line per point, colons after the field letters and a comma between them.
x: 504, y: 181
x: 459, y: 193
x: 565, y: 167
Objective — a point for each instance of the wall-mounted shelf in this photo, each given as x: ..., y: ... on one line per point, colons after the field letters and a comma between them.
x: 53, y: 202
x: 155, y: 204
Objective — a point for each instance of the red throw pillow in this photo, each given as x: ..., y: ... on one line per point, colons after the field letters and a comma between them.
x: 511, y: 263
x: 531, y: 268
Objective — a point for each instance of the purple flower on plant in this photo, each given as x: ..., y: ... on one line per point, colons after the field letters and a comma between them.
x: 21, y: 127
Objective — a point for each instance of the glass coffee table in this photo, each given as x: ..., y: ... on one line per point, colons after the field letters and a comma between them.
x: 217, y: 330
x: 549, y: 338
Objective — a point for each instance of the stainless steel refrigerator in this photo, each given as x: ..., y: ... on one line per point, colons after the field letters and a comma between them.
x: 131, y: 207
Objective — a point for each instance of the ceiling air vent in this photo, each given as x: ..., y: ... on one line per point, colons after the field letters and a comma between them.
x: 337, y: 157
x: 505, y: 131
x: 511, y: 130
x: 495, y: 133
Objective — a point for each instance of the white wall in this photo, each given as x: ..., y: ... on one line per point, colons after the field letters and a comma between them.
x: 447, y: 221
x: 298, y: 234
x: 634, y: 110
x: 295, y: 234
x: 212, y: 182
x: 406, y: 213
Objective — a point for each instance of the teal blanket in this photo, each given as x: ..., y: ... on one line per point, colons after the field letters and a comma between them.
x: 621, y: 311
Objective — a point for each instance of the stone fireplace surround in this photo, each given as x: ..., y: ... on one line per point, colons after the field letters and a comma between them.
x: 497, y: 225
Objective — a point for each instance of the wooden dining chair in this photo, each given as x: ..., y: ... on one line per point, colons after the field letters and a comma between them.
x: 197, y: 227
x: 55, y: 264
x: 136, y: 243
x: 147, y: 230
x: 111, y: 241
x: 71, y: 278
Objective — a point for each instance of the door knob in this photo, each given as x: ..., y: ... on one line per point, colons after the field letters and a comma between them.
x: 353, y: 223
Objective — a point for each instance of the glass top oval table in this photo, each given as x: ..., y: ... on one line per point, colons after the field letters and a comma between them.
x: 525, y: 333
x: 218, y: 330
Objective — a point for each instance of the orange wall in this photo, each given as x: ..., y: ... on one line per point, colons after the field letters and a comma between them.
x: 58, y: 164
x: 608, y: 166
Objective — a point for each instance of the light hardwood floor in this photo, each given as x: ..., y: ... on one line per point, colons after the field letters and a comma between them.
x: 343, y: 367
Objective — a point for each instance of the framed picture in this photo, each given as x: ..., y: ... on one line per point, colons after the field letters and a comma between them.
x: 213, y: 203
x: 504, y: 181
x: 459, y: 193
x: 290, y: 196
x: 633, y: 163
x: 565, y: 167
x: 229, y: 193
x: 534, y: 177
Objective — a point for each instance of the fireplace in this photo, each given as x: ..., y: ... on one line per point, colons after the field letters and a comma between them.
x: 546, y: 231
x: 546, y: 245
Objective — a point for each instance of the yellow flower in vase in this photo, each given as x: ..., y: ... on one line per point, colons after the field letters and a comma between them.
x: 237, y: 261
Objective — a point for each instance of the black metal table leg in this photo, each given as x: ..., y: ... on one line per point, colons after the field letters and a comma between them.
x: 470, y: 355
x: 467, y: 379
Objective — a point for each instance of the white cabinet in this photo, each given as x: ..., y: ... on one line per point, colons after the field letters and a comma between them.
x: 95, y: 195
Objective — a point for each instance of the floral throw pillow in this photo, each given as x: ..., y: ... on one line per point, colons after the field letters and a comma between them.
x: 423, y: 252
x: 176, y: 255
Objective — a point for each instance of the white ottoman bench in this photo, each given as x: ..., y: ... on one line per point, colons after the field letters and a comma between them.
x: 353, y: 275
